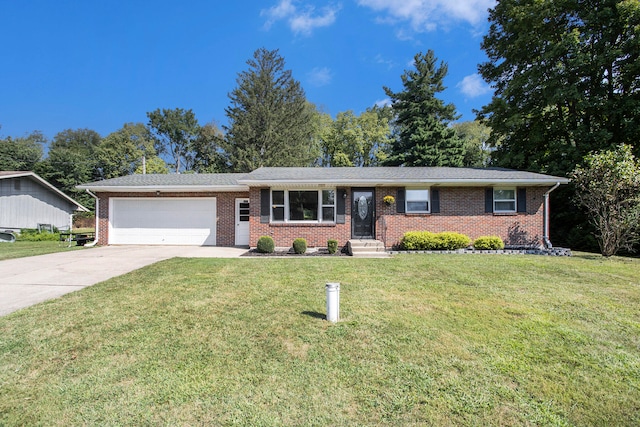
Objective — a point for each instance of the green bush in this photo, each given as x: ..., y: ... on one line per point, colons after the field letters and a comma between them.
x: 300, y: 245
x: 450, y: 241
x: 488, y: 243
x: 428, y: 241
x: 33, y: 235
x: 332, y: 246
x: 266, y: 245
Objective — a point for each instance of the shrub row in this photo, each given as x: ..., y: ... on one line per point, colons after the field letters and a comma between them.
x: 266, y: 245
x: 428, y: 241
x: 446, y: 241
x: 33, y: 235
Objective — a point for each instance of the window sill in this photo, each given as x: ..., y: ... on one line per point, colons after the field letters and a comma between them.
x: 302, y: 224
x: 506, y: 213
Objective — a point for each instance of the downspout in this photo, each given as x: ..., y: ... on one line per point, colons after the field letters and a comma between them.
x: 545, y: 237
x: 95, y: 242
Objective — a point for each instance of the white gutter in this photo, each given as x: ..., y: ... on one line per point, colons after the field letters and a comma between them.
x: 164, y: 188
x: 545, y: 237
x: 95, y: 241
x: 400, y: 182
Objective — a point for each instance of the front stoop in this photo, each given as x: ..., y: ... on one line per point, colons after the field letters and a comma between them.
x: 367, y: 249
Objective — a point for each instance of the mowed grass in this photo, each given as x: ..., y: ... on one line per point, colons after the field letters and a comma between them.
x: 423, y: 340
x: 22, y: 249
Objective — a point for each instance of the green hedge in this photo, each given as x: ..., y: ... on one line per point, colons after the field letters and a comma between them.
x: 332, y: 246
x: 428, y: 241
x: 488, y: 243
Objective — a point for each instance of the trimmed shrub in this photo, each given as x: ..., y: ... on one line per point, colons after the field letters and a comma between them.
x: 428, y: 241
x: 332, y: 246
x: 33, y: 235
x: 450, y: 241
x: 300, y: 245
x: 266, y: 245
x: 488, y: 243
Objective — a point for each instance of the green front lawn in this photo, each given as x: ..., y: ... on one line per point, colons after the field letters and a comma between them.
x: 22, y: 249
x: 423, y: 340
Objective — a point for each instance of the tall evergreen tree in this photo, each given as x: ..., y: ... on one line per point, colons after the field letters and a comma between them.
x: 424, y: 135
x: 270, y: 121
x: 567, y: 80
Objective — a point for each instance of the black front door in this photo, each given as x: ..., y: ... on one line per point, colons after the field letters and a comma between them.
x: 363, y: 213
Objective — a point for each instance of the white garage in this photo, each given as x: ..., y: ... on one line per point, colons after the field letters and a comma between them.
x: 162, y: 221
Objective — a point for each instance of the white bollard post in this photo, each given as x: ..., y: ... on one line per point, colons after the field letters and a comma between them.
x: 333, y: 301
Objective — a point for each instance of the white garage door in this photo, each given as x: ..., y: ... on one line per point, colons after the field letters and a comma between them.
x: 162, y: 221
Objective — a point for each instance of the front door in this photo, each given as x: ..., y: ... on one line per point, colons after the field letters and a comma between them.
x: 242, y: 222
x: 363, y: 213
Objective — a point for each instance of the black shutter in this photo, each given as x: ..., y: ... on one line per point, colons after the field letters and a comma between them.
x: 522, y: 199
x: 400, y: 200
x: 265, y: 205
x: 435, y: 200
x: 340, y: 206
x: 488, y: 200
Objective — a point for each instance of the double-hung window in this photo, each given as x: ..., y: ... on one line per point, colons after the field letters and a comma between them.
x: 303, y: 205
x: 504, y: 200
x: 417, y: 200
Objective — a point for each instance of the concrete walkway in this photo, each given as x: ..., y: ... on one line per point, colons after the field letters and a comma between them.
x: 28, y: 281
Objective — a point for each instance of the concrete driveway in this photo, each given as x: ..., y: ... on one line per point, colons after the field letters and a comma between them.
x: 28, y: 281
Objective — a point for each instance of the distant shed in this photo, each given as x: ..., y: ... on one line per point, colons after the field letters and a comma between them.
x: 27, y: 200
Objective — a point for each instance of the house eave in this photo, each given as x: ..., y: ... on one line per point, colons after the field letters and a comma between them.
x: 404, y: 182
x: 165, y: 188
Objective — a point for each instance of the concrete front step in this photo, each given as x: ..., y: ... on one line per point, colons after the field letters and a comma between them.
x: 367, y: 249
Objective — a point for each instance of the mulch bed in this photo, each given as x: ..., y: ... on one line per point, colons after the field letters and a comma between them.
x: 291, y: 253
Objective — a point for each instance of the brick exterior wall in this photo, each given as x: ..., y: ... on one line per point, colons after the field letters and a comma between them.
x: 461, y: 210
x: 225, y: 206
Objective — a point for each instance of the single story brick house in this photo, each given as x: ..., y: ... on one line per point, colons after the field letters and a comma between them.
x: 323, y: 203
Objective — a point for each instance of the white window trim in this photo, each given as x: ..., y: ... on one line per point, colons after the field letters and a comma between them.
x: 514, y: 200
x: 406, y: 199
x: 320, y: 206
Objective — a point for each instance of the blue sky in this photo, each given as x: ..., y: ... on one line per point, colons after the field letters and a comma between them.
x: 98, y: 65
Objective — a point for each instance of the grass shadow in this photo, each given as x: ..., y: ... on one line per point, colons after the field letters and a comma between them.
x: 314, y: 314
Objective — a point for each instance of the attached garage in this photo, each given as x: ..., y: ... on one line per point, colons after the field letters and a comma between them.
x: 162, y: 221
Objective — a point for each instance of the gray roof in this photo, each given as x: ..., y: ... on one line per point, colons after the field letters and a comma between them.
x: 396, y: 175
x: 372, y: 176
x: 152, y: 182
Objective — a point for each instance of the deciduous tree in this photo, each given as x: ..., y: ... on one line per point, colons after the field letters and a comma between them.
x: 474, y: 136
x: 567, y: 80
x: 352, y: 140
x: 72, y: 160
x: 608, y: 188
x: 121, y: 152
x: 175, y: 132
x: 22, y: 153
x: 425, y: 137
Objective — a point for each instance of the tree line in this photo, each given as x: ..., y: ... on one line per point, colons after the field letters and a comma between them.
x: 566, y: 81
x: 270, y: 123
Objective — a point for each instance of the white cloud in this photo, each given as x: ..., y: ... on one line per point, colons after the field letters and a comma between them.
x: 320, y: 76
x: 473, y: 86
x: 383, y: 102
x: 301, y: 20
x: 425, y: 15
